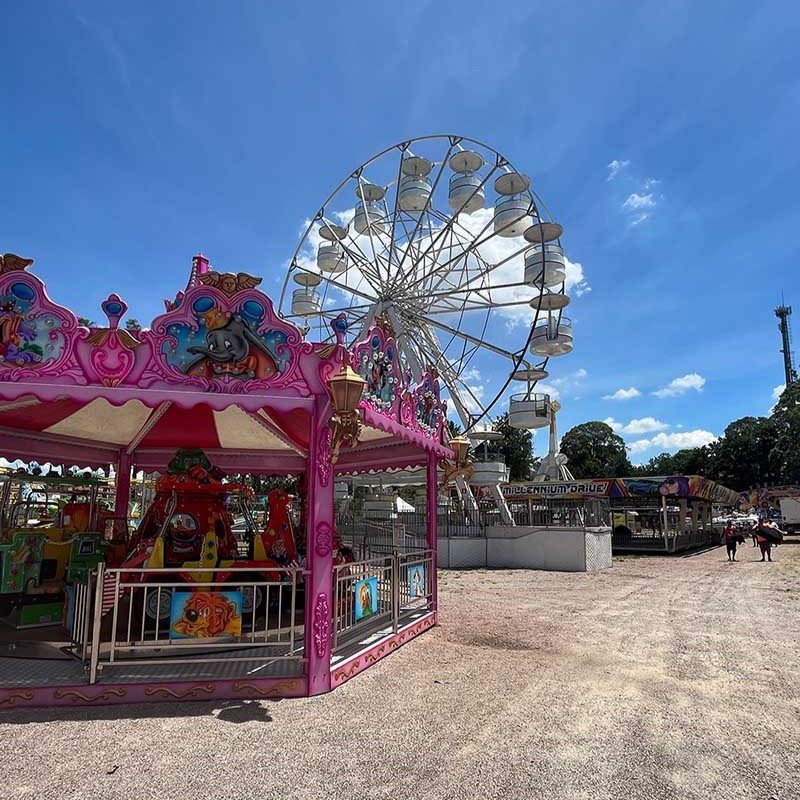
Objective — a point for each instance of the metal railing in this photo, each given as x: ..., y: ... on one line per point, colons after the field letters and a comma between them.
x: 407, y: 530
x: 560, y: 513
x: 378, y: 593
x: 80, y: 614
x: 242, y: 619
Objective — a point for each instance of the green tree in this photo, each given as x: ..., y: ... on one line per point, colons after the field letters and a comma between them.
x: 740, y: 458
x: 662, y: 464
x: 784, y: 457
x: 86, y: 322
x: 692, y: 461
x: 595, y: 451
x: 454, y: 429
x: 517, y: 447
x: 132, y: 324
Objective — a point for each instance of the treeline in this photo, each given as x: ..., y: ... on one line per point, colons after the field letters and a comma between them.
x: 753, y: 451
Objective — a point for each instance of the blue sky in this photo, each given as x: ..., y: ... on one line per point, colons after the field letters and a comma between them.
x: 136, y: 135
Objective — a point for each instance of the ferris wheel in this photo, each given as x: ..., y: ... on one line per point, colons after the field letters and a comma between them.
x: 444, y: 241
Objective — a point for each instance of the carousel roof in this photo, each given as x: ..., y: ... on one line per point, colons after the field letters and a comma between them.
x: 220, y: 370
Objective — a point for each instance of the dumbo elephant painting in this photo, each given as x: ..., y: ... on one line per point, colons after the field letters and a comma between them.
x: 234, y: 350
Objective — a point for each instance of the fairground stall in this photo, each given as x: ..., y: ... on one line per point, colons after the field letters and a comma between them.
x: 654, y: 514
x: 202, y: 601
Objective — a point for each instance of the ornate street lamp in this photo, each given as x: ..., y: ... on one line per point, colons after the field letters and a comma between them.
x: 462, y: 463
x: 346, y: 388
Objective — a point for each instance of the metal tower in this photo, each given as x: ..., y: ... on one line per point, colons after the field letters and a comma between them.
x: 783, y: 312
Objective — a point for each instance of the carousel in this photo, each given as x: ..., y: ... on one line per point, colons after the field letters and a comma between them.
x: 218, y: 386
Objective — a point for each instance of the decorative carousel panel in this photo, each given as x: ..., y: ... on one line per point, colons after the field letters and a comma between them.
x: 225, y: 337
x: 36, y: 335
x: 430, y: 411
x: 375, y: 359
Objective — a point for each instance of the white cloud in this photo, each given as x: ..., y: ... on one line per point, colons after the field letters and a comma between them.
x: 549, y: 388
x: 615, y: 167
x: 563, y: 384
x: 672, y: 441
x: 637, y: 202
x: 645, y: 425
x: 639, y: 206
x: 778, y: 391
x: 636, y: 426
x: 623, y: 394
x: 682, y: 385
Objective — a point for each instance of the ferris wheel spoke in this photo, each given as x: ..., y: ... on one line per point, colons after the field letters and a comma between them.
x: 472, y: 249
x: 343, y: 287
x: 418, y: 223
x: 365, y: 267
x: 455, y: 385
x: 396, y: 212
x: 452, y: 220
x: 346, y: 309
x: 474, y: 339
x: 478, y: 307
x: 372, y: 234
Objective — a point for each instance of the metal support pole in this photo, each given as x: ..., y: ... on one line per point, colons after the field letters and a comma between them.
x: 395, y: 568
x: 319, y: 546
x: 123, y: 490
x: 432, y: 488
x: 664, y: 522
x: 98, y: 614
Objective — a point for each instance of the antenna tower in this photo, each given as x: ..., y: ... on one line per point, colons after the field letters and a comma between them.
x: 783, y: 312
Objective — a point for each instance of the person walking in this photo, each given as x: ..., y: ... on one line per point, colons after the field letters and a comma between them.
x: 763, y: 542
x: 731, y: 537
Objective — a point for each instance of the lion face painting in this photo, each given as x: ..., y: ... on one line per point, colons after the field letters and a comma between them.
x: 208, y: 614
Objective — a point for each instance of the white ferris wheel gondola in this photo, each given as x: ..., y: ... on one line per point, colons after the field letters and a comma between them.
x: 410, y: 238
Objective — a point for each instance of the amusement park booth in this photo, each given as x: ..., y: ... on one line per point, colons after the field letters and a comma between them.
x: 218, y: 387
x: 653, y: 514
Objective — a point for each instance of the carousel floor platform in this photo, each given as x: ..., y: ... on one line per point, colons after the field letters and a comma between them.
x: 38, y: 658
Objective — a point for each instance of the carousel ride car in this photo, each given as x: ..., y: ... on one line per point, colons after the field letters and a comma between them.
x: 51, y: 534
x: 191, y: 526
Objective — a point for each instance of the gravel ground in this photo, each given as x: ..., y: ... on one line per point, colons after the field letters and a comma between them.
x: 659, y: 678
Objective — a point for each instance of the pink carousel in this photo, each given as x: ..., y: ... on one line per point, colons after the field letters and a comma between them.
x: 204, y: 611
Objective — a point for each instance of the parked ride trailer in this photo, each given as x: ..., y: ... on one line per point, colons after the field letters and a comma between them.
x: 790, y: 514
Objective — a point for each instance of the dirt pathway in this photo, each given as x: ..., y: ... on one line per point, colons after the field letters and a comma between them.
x: 660, y: 678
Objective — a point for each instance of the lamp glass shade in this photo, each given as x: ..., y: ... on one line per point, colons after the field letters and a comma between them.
x: 460, y: 447
x: 346, y: 388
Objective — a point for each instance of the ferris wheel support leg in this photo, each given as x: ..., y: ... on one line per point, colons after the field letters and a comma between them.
x: 468, y: 500
x: 319, y: 601
x: 502, y: 506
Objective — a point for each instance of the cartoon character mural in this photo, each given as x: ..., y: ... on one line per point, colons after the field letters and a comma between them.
x: 675, y: 485
x: 231, y: 348
x: 376, y: 362
x: 366, y: 598
x: 416, y: 581
x: 226, y: 345
x: 201, y: 615
x: 25, y: 337
x: 427, y: 401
